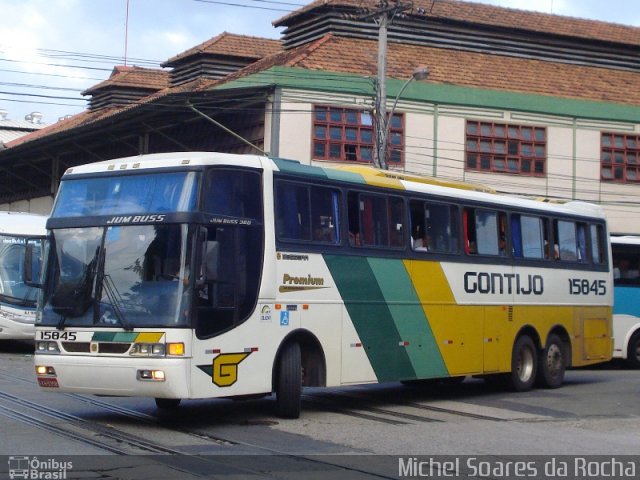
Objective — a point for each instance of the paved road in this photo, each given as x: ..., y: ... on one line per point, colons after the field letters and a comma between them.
x: 595, y: 413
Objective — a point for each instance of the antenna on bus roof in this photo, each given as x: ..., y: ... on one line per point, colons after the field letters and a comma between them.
x: 229, y: 131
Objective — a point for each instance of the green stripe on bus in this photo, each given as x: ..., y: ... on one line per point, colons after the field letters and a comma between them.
x: 114, y: 337
x: 409, y: 317
x: 343, y: 176
x: 295, y: 167
x: 371, y: 317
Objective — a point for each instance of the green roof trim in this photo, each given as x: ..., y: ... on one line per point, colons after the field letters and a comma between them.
x: 317, y: 80
x: 296, y: 168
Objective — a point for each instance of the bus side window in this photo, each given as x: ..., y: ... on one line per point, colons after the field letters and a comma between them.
x: 567, y: 240
x: 353, y: 214
x: 527, y: 237
x: 417, y: 211
x: 292, y: 212
x: 324, y: 215
x: 376, y: 220
x: 597, y: 244
x: 486, y: 224
x: 582, y: 243
x: 469, y: 226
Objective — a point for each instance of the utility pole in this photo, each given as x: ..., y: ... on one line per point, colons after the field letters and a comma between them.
x: 384, y: 14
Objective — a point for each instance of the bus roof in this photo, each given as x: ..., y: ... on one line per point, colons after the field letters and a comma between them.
x: 625, y: 240
x: 19, y: 223
x: 355, y: 174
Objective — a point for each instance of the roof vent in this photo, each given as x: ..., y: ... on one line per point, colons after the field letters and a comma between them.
x: 34, y: 117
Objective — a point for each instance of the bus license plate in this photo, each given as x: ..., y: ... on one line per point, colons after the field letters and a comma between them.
x: 48, y: 382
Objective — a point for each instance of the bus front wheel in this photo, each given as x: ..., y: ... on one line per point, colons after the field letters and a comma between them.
x: 552, y: 363
x: 633, y: 351
x: 289, y: 381
x: 524, y: 360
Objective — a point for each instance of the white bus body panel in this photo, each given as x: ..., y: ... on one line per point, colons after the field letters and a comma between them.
x: 17, y: 322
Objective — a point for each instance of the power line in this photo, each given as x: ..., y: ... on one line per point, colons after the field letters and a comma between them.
x: 229, y: 4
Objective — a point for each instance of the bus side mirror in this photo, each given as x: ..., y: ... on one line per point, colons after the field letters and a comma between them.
x: 32, y: 264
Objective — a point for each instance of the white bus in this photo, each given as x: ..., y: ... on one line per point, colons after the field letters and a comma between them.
x: 17, y: 300
x: 202, y: 275
x: 626, y: 303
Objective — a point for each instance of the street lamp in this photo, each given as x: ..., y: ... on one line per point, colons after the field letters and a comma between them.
x: 383, y: 123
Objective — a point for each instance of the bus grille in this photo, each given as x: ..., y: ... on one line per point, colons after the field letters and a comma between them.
x: 76, y: 347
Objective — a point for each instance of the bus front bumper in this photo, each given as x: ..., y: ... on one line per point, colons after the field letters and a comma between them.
x: 114, y: 376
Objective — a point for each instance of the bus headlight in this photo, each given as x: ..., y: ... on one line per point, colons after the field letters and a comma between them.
x: 47, y: 347
x: 147, y: 350
x: 151, y: 375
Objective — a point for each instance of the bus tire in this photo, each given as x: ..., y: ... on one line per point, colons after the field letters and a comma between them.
x: 167, y: 403
x: 633, y: 351
x: 552, y: 363
x: 289, y: 381
x: 524, y: 363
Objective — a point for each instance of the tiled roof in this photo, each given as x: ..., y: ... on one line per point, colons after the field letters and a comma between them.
x: 468, y: 69
x: 133, y: 77
x: 492, y: 16
x: 229, y: 44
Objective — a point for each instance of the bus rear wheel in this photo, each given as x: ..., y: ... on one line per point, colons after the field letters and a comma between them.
x: 167, y: 403
x: 633, y: 351
x: 524, y: 360
x: 552, y: 363
x: 289, y: 381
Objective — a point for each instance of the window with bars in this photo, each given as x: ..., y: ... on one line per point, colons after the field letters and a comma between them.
x: 620, y: 158
x: 347, y: 135
x: 500, y: 147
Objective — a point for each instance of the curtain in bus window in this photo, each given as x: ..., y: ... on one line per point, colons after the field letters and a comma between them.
x: 335, y: 203
x: 567, y: 240
x: 293, y: 212
x: 516, y: 236
x: 396, y: 222
x: 532, y: 237
x: 582, y: 242
x: 487, y: 232
x: 366, y: 215
x: 596, y: 244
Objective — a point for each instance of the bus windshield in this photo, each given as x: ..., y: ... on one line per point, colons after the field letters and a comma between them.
x: 158, y: 192
x: 120, y: 276
x: 13, y: 290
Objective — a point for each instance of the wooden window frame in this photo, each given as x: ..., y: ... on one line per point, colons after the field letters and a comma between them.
x: 360, y: 147
x: 620, y: 156
x: 499, y: 147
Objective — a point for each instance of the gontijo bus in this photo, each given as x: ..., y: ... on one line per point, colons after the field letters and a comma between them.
x: 195, y: 275
x: 18, y: 300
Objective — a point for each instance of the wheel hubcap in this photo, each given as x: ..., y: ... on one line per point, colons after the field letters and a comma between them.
x: 525, y: 364
x: 554, y: 359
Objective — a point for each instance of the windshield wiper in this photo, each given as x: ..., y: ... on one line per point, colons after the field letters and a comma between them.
x: 112, y: 293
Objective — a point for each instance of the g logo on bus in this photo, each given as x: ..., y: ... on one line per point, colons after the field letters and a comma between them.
x: 225, y: 368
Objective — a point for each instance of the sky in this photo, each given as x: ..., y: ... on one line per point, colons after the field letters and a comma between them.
x: 52, y: 50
